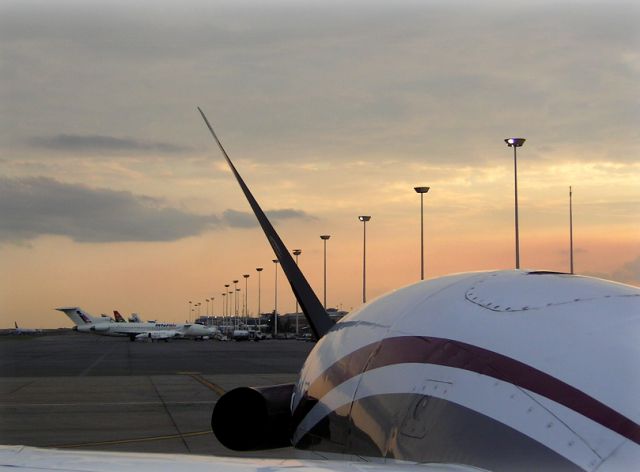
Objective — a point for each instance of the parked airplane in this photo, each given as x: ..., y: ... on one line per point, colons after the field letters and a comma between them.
x: 25, y: 331
x: 134, y: 318
x: 500, y: 370
x: 247, y: 335
x: 118, y: 317
x: 85, y: 323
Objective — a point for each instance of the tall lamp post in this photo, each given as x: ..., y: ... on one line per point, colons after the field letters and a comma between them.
x: 364, y: 219
x: 324, y: 238
x: 297, y: 252
x: 246, y: 297
x: 189, y: 314
x: 275, y: 301
x: 259, y: 269
x: 421, y: 191
x: 571, y: 229
x: 237, y: 320
x: 228, y: 300
x: 515, y: 143
x: 235, y: 299
x: 224, y: 305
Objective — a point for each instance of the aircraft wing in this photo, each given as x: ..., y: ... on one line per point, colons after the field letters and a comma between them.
x: 32, y: 459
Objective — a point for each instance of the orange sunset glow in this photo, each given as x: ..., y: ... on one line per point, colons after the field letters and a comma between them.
x: 113, y: 195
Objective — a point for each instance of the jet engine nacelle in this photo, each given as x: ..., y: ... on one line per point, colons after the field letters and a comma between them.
x: 100, y: 328
x: 90, y: 328
x: 254, y: 418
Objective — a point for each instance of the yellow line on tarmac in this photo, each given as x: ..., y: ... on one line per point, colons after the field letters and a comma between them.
x: 210, y: 385
x: 135, y: 440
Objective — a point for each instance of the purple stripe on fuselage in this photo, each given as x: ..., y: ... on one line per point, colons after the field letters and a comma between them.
x: 446, y: 352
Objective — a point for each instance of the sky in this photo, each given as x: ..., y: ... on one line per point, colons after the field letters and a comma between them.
x: 114, y: 196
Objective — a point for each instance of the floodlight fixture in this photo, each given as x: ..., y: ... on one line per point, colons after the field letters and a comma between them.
x: 515, y: 142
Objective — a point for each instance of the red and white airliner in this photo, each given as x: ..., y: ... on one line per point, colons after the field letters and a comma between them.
x: 86, y: 323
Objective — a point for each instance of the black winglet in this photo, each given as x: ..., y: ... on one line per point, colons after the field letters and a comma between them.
x: 318, y: 319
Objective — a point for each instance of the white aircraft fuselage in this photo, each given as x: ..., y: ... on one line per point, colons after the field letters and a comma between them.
x: 499, y: 370
x: 86, y: 323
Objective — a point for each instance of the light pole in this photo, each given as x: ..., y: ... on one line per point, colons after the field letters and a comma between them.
x: 235, y: 298
x: 224, y: 305
x: 259, y: 269
x: 246, y: 297
x: 275, y: 301
x: 228, y: 300
x: 364, y: 219
x: 421, y: 191
x: 237, y: 321
x: 189, y: 314
x: 571, y: 229
x: 515, y: 143
x: 297, y: 252
x: 324, y: 238
x: 207, y: 312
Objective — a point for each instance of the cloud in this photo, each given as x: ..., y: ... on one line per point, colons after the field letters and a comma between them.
x: 432, y: 79
x: 629, y: 272
x: 36, y: 206
x: 241, y: 219
x: 238, y: 219
x: 75, y: 143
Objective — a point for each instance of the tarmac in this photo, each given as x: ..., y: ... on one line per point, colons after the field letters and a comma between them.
x: 83, y: 391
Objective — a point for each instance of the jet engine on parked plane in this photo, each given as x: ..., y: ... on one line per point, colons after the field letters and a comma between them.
x: 266, y: 409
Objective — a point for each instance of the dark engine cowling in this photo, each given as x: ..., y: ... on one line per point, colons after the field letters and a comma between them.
x: 254, y: 418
